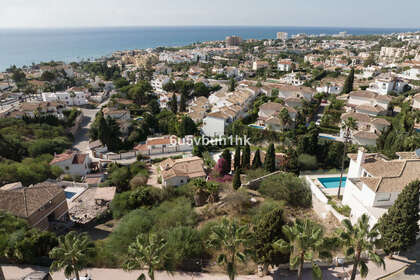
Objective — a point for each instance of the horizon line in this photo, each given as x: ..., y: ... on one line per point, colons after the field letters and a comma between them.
x: 215, y: 25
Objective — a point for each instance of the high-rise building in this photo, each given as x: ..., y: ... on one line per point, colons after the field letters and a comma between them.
x: 233, y: 41
x: 282, y: 35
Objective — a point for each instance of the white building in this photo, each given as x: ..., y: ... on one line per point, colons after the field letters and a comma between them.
x: 179, y: 172
x: 330, y: 88
x: 72, y: 163
x: 284, y: 65
x: 159, y: 81
x: 387, y: 85
x: 215, y: 123
x: 282, y: 35
x: 260, y: 64
x: 367, y: 130
x: 374, y: 182
x: 412, y: 73
x: 70, y: 98
x: 361, y: 97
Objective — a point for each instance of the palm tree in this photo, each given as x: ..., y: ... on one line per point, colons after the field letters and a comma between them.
x: 348, y: 125
x: 360, y: 239
x: 213, y: 190
x: 229, y: 236
x: 305, y: 239
x: 72, y: 254
x: 146, y: 251
x: 200, y: 191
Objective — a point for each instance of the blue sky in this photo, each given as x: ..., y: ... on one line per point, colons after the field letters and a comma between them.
x: 97, y: 13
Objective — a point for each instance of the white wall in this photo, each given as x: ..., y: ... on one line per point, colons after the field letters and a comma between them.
x: 213, y: 127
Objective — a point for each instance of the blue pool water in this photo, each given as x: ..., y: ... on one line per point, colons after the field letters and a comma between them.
x: 69, y: 195
x: 332, y: 183
x: 327, y: 137
x: 256, y: 126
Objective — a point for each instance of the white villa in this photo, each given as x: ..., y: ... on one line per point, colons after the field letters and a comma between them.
x: 180, y: 171
x: 159, y: 81
x: 284, y: 65
x: 72, y: 163
x: 361, y: 97
x: 388, y: 84
x: 70, y: 98
x: 215, y: 123
x: 374, y: 182
x: 368, y: 129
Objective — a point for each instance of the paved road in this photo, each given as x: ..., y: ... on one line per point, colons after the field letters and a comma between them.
x: 413, y: 271
x: 81, y: 139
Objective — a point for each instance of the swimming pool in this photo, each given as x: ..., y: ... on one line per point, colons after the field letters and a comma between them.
x: 327, y: 137
x: 69, y: 195
x: 332, y: 182
x: 256, y: 126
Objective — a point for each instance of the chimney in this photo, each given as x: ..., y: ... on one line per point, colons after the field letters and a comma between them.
x: 361, y: 155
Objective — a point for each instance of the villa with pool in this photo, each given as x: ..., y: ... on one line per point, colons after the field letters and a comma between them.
x: 374, y: 182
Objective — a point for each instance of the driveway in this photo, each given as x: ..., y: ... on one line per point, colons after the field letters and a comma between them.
x: 412, y: 272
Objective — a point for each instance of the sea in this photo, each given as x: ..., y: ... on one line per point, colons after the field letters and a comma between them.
x: 26, y: 46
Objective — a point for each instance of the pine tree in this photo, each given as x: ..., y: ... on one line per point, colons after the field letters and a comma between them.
x: 246, y: 157
x: 270, y: 159
x: 256, y: 163
x: 237, y: 158
x: 237, y: 179
x: 173, y: 104
x: 348, y: 84
x: 183, y: 103
x: 228, y: 157
x: 399, y: 226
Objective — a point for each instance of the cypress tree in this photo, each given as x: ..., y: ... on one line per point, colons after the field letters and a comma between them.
x: 173, y: 104
x: 183, y: 103
x: 399, y: 226
x: 270, y: 159
x: 348, y: 84
x: 237, y: 179
x: 246, y: 157
x: 256, y: 163
x: 228, y: 157
x: 292, y: 164
x: 232, y: 84
x: 237, y: 158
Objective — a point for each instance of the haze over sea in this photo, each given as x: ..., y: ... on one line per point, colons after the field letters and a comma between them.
x: 25, y: 46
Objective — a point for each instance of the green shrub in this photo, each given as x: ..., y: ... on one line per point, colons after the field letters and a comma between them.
x: 125, y: 202
x: 185, y: 248
x: 344, y: 210
x: 288, y: 187
x: 307, y: 162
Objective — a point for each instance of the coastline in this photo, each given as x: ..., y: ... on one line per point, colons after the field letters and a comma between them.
x: 26, y: 46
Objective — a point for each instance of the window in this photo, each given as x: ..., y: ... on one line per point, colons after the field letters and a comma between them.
x: 383, y: 197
